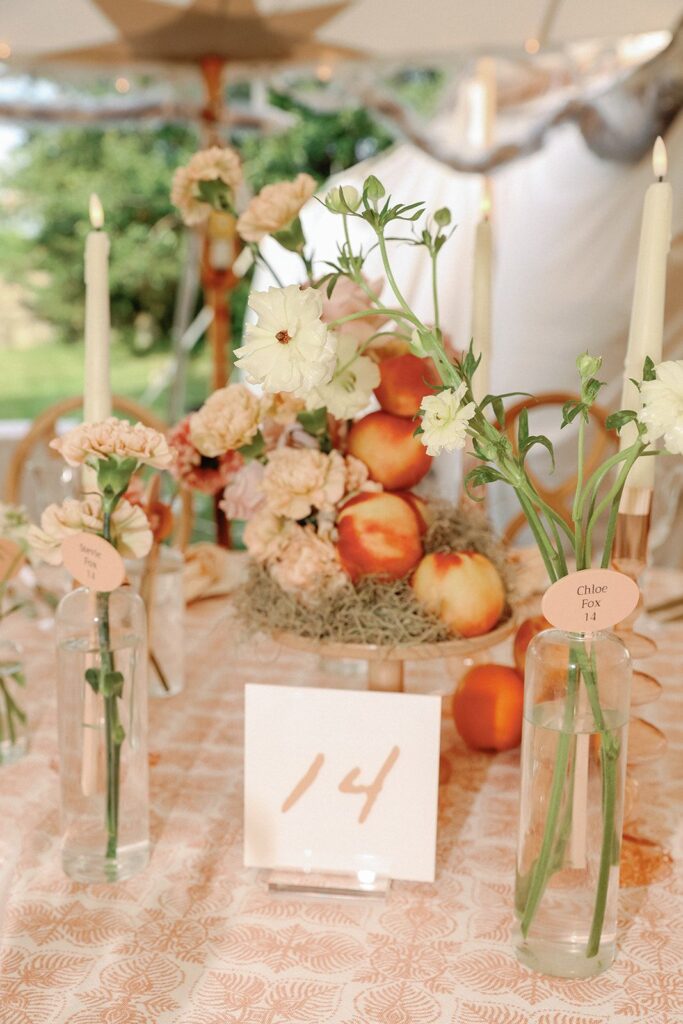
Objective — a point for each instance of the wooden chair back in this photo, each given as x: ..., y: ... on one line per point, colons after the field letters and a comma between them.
x: 561, y: 496
x: 44, y: 428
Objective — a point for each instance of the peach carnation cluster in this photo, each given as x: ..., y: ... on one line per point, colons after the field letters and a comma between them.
x: 130, y: 528
x: 221, y: 164
x: 114, y: 438
x: 293, y: 534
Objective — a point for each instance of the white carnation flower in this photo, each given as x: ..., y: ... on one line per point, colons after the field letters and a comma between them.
x: 445, y: 419
x: 355, y: 378
x: 662, y: 412
x: 289, y: 348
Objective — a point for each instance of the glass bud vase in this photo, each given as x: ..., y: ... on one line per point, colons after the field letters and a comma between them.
x: 13, y: 719
x: 162, y: 589
x: 576, y: 709
x: 102, y: 722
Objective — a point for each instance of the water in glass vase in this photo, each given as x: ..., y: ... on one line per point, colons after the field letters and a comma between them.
x: 566, y: 915
x: 104, y: 785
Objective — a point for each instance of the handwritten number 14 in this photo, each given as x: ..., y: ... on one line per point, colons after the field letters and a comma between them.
x: 348, y: 784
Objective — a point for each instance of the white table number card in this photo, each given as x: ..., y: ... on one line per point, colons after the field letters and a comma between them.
x: 341, y: 781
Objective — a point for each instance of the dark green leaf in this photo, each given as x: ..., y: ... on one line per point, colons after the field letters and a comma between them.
x: 534, y: 439
x: 616, y: 420
x: 92, y: 677
x: 649, y: 369
x: 479, y: 476
x: 523, y: 429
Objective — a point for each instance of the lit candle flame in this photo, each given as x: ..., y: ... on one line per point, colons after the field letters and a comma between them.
x: 96, y: 211
x: 659, y: 160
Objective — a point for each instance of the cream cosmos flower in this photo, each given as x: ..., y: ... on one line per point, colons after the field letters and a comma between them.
x: 274, y: 208
x: 228, y: 420
x: 444, y: 420
x: 113, y: 437
x: 350, y: 390
x: 288, y: 348
x: 131, y: 532
x: 662, y: 412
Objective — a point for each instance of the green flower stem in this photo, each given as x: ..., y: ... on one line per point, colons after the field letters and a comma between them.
x: 12, y: 711
x: 542, y: 867
x: 112, y: 725
x: 435, y: 290
x: 390, y: 274
x: 609, y: 755
x: 610, y: 498
x: 363, y: 313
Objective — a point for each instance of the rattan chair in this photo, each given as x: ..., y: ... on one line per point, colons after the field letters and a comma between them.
x: 43, y: 429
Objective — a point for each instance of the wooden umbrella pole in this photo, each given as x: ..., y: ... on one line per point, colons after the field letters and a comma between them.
x: 218, y: 250
x: 215, y: 280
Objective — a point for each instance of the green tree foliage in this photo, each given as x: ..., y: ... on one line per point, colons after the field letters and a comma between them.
x: 54, y: 172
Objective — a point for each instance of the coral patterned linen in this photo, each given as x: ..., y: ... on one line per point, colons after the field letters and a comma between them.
x: 196, y: 939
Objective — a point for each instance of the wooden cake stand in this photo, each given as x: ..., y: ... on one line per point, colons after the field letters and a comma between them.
x: 385, y: 662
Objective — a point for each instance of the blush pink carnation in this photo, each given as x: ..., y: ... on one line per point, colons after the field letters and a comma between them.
x: 274, y: 208
x: 214, y: 164
x: 244, y: 495
x: 308, y: 565
x: 228, y: 420
x: 196, y: 471
x: 266, y: 536
x: 115, y: 438
x: 298, y: 481
x: 131, y: 532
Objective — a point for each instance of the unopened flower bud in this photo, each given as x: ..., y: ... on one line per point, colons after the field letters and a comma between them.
x: 342, y: 199
x: 588, y: 365
x: 373, y: 188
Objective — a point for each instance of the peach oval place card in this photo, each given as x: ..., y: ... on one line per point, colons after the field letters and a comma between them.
x: 93, y: 562
x: 590, y: 600
x: 11, y: 559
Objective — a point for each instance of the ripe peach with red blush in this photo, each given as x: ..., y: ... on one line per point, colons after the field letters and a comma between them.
x: 405, y: 380
x: 386, y: 444
x: 463, y: 588
x: 523, y: 637
x: 379, y: 534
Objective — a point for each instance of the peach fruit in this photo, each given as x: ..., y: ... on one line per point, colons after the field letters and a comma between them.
x: 463, y: 588
x: 385, y: 443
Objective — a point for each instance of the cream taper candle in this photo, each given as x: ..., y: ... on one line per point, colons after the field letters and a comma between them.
x: 482, y: 298
x: 97, y: 387
x: 647, y: 312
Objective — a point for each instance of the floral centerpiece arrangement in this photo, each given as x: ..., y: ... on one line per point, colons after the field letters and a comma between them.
x: 110, y: 453
x: 570, y: 840
x: 328, y: 494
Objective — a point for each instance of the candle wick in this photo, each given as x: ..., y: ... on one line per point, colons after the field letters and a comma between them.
x: 660, y: 178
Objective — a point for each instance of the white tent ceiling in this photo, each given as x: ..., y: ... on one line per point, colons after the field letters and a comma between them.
x: 380, y: 28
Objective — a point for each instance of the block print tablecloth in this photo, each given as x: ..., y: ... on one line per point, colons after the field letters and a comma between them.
x: 197, y: 940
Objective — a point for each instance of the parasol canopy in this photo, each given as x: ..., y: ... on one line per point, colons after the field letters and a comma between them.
x: 246, y: 31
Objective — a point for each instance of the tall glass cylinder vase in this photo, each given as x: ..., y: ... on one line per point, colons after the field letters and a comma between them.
x: 161, y: 586
x: 102, y: 719
x: 13, y: 718
x: 576, y: 711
